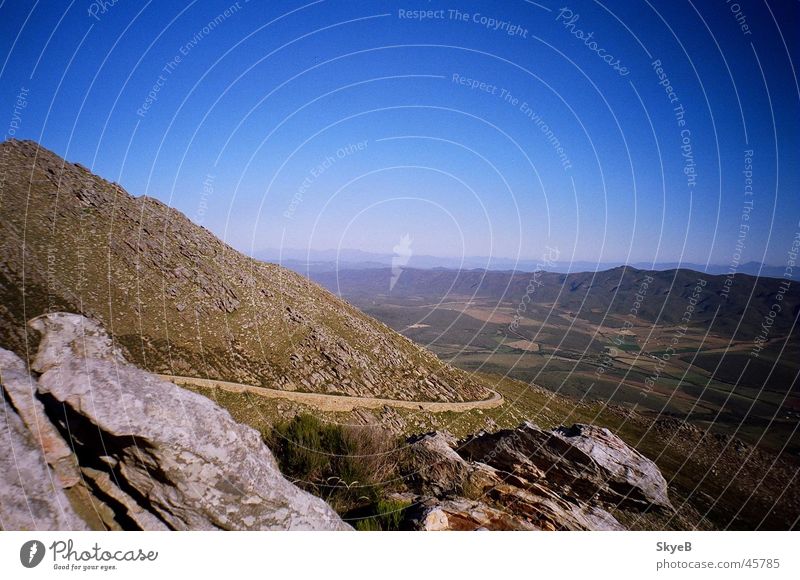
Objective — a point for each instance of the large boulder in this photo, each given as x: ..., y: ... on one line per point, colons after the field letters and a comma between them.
x: 582, y: 461
x: 434, y: 468
x: 630, y: 478
x: 162, y: 456
x: 458, y: 494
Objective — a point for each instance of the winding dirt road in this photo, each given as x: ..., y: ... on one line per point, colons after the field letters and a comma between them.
x: 337, y: 403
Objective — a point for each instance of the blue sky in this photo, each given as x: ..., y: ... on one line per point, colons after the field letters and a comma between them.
x: 350, y: 124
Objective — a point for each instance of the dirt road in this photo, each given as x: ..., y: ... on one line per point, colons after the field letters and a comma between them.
x: 336, y: 403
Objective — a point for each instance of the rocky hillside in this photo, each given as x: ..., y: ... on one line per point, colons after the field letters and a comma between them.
x: 178, y: 301
x: 92, y: 442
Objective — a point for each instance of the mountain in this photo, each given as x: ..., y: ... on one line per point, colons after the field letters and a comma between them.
x: 742, y: 308
x: 307, y: 261
x: 181, y: 302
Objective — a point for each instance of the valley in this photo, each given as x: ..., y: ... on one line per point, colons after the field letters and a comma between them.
x: 584, y: 345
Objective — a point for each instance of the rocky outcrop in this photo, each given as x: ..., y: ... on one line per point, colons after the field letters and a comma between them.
x: 434, y: 468
x: 551, y: 509
x: 628, y: 477
x: 159, y: 456
x: 587, y: 462
x: 460, y: 514
x: 20, y: 389
x: 527, y: 478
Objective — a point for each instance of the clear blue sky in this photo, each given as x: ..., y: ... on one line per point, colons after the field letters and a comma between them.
x: 243, y: 121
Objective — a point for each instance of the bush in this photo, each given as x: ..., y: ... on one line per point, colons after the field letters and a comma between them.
x: 348, y: 466
x: 384, y: 515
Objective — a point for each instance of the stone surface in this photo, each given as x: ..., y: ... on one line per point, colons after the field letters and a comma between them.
x: 586, y: 462
x: 528, y: 478
x: 461, y: 514
x: 434, y: 468
x: 459, y: 494
x: 630, y: 478
x: 163, y: 457
x: 547, y: 509
x: 31, y: 496
x: 20, y: 389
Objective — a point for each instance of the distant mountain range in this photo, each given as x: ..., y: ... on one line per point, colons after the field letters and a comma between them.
x: 740, y: 307
x: 315, y: 261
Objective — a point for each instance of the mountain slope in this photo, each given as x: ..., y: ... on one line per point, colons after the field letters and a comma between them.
x: 179, y: 300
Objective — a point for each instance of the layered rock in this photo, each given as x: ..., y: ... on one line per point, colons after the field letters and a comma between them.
x: 584, y: 461
x: 434, y: 468
x: 527, y: 478
x: 20, y: 390
x: 160, y: 456
x: 461, y: 514
x: 31, y: 495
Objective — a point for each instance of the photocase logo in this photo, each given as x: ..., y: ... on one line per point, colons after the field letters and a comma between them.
x: 31, y: 553
x: 402, y: 254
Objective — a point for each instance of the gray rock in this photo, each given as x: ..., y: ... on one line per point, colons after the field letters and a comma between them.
x: 458, y: 495
x: 20, y: 389
x: 31, y: 496
x: 176, y: 459
x: 630, y: 478
x: 582, y: 461
x: 433, y: 466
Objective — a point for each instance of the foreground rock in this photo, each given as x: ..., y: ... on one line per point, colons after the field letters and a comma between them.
x: 530, y: 479
x: 587, y: 462
x: 31, y: 497
x: 159, y: 456
x: 460, y: 514
x: 21, y: 392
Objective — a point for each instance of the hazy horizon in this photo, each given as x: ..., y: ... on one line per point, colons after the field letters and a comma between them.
x: 300, y: 253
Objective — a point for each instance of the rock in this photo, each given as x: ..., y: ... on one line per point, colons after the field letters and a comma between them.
x: 462, y: 494
x: 435, y: 520
x: 434, y: 468
x: 546, y: 509
x: 31, y: 497
x: 489, y: 424
x: 142, y: 518
x: 166, y: 457
x: 582, y: 461
x: 460, y: 514
x: 628, y: 474
x: 20, y: 389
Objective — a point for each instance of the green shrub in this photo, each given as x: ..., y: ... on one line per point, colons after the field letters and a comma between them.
x: 383, y: 515
x: 348, y: 466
